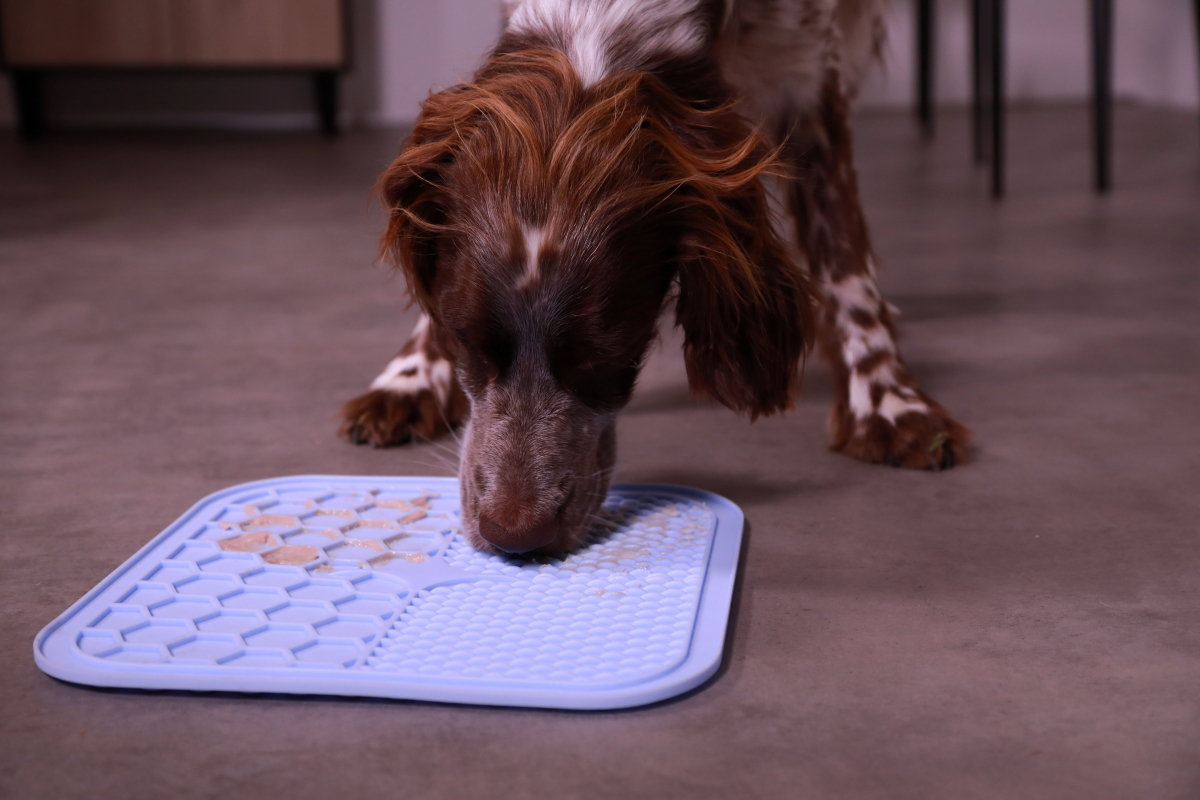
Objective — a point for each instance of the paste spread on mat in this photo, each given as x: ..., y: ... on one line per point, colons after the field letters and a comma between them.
x: 263, y: 520
x: 248, y: 542
x: 370, y: 544
x: 292, y: 555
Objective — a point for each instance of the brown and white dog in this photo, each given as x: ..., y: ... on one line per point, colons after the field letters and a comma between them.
x: 610, y: 156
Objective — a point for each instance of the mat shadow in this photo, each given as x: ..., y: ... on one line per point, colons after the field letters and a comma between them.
x: 741, y: 489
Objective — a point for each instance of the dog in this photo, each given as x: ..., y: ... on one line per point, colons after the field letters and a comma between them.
x: 608, y: 158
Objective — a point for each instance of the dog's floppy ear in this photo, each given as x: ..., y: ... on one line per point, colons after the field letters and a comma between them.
x: 745, y: 306
x: 412, y: 189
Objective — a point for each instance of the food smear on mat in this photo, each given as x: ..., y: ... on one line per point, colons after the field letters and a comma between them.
x: 292, y: 555
x: 325, y: 533
x: 263, y: 520
x: 370, y: 544
x: 374, y: 523
x: 248, y: 542
x: 387, y: 558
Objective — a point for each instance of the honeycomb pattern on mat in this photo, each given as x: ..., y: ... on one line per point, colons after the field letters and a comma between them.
x: 378, y: 579
x: 619, y: 610
x: 308, y: 579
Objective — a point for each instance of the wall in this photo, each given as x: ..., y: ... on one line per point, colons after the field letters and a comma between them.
x: 1049, y: 53
x: 403, y: 47
x: 425, y: 44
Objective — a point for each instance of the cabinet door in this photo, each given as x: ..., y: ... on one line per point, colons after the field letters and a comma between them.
x: 86, y: 32
x: 300, y: 33
x: 173, y: 33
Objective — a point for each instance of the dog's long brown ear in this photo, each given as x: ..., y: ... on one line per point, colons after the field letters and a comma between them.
x: 412, y: 189
x: 745, y: 306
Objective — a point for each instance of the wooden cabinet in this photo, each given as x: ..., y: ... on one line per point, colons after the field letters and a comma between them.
x: 44, y: 35
x: 59, y: 33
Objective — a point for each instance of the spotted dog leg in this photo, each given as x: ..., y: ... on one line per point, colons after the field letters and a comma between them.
x: 417, y: 394
x: 880, y: 415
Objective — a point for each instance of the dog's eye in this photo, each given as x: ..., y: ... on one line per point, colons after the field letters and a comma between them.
x: 604, y: 387
x: 487, y: 357
x: 499, y: 350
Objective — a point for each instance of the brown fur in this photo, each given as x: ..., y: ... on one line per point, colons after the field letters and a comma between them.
x: 384, y: 418
x: 634, y: 187
x: 543, y: 224
x: 629, y: 147
x: 833, y: 234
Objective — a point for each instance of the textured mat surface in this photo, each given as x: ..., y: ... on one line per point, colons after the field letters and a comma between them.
x: 364, y: 586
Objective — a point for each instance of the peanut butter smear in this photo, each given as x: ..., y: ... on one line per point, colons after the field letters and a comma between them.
x: 248, y: 542
x: 292, y: 555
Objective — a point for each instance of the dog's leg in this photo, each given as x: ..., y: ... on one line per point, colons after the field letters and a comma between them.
x: 417, y: 394
x: 880, y: 414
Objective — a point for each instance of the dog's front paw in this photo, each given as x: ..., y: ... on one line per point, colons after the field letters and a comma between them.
x: 384, y: 418
x: 912, y: 432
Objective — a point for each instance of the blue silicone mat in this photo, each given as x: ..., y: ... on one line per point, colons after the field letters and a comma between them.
x: 364, y: 586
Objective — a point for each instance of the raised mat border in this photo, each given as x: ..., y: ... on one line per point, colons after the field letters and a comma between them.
x: 56, y: 657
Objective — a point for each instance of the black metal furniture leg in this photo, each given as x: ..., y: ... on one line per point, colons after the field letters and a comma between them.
x: 926, y: 61
x: 1197, y: 8
x: 997, y: 69
x: 1102, y: 40
x: 978, y: 121
x: 326, y: 88
x: 28, y: 91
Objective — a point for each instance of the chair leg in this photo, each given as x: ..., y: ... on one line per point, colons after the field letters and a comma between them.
x: 978, y: 117
x: 926, y: 61
x: 1196, y: 5
x: 998, y: 36
x: 29, y: 94
x: 1102, y: 40
x: 325, y: 86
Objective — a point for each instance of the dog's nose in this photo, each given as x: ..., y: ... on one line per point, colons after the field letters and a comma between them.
x: 510, y: 541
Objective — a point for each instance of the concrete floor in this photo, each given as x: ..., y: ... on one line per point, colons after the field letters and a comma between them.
x: 183, y: 312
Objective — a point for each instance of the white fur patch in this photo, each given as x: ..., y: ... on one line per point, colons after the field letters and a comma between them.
x: 414, y: 373
x: 533, y: 251
x: 440, y: 374
x: 892, y: 406
x: 589, y: 27
x: 860, y: 343
x: 860, y: 396
x: 855, y: 291
x: 859, y: 292
x: 404, y: 375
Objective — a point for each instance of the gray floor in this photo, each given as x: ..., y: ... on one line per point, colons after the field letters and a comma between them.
x: 183, y: 312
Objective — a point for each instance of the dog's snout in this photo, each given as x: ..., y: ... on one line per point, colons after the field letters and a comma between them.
x: 532, y: 537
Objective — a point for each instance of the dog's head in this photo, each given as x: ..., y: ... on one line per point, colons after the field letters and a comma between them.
x: 542, y: 226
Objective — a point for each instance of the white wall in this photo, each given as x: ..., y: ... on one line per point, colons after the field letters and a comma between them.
x: 1049, y: 53
x: 424, y: 44
x: 403, y: 47
x: 433, y: 43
